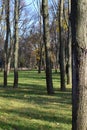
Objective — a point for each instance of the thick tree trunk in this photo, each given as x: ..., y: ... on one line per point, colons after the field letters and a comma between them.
x: 47, y: 47
x: 74, y: 65
x: 62, y: 48
x: 16, y: 46
x: 79, y: 40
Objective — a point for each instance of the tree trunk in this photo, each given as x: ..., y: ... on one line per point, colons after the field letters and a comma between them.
x: 62, y: 48
x: 79, y: 87
x: 40, y: 61
x: 16, y: 46
x: 10, y: 54
x: 47, y: 47
x: 69, y: 66
x: 6, y: 4
x: 74, y: 65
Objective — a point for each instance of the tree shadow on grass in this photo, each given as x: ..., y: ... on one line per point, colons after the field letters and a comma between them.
x: 8, y: 126
x: 37, y: 94
x: 38, y: 114
x: 38, y: 97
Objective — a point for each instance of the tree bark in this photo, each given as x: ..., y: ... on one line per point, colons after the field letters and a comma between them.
x: 74, y: 65
x: 62, y: 48
x: 47, y: 47
x: 7, y: 10
x: 16, y: 44
x: 41, y: 46
x: 79, y: 87
x: 69, y: 52
x: 10, y: 54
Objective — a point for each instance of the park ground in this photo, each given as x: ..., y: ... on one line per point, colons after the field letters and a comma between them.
x: 30, y: 108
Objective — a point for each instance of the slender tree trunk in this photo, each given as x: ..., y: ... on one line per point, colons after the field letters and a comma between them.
x: 69, y: 66
x: 57, y: 42
x: 56, y: 62
x: 40, y: 61
x: 6, y: 4
x: 57, y: 51
x: 16, y: 46
x: 5, y: 71
x: 62, y: 48
x: 10, y: 54
x: 47, y: 47
x: 79, y: 87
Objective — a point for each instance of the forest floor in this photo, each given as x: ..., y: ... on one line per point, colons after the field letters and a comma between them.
x: 30, y: 108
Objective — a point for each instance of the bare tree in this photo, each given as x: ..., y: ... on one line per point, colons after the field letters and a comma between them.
x: 41, y: 41
x: 16, y: 43
x: 47, y: 47
x: 62, y: 47
x: 6, y: 49
x: 69, y: 64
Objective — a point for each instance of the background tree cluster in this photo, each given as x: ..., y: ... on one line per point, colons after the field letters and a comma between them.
x: 35, y: 35
x: 30, y: 28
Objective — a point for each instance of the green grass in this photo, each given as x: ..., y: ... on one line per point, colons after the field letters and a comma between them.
x: 30, y: 108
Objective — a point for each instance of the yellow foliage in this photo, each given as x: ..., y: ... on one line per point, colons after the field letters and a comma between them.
x: 38, y: 58
x: 64, y: 25
x: 57, y: 29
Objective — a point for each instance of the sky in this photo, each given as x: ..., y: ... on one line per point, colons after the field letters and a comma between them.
x: 33, y: 11
x: 30, y: 14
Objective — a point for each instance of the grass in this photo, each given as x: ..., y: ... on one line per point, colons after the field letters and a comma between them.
x: 30, y: 108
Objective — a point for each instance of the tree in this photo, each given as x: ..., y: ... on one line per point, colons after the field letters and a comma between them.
x: 16, y: 44
x: 68, y: 64
x: 62, y: 47
x: 40, y: 47
x: 6, y: 48
x: 47, y: 47
x: 79, y: 58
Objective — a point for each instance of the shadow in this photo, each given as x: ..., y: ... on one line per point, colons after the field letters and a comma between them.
x: 44, y: 108
x: 36, y: 114
x: 37, y: 94
x: 36, y: 98
x: 8, y: 126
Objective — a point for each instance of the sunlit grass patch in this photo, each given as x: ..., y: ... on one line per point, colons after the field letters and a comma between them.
x: 30, y: 108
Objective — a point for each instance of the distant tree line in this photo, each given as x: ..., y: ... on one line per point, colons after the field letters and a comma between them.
x: 21, y: 49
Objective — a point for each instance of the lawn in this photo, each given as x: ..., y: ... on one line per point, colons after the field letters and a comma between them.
x: 30, y: 108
